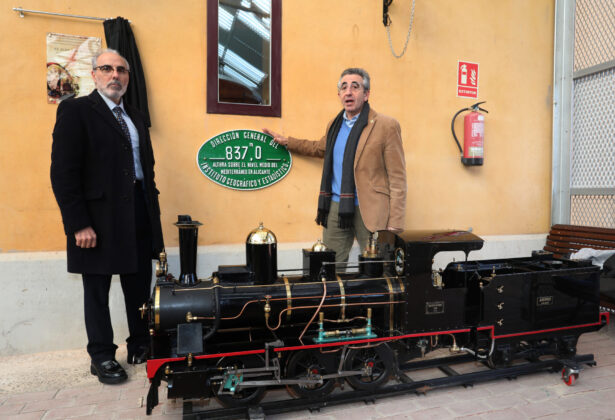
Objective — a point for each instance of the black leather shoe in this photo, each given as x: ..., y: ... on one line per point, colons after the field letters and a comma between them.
x: 109, y: 372
x: 139, y: 356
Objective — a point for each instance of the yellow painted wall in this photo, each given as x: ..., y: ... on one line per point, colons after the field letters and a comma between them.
x: 512, y: 40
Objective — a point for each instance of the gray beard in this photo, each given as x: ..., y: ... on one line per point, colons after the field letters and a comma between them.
x: 114, y: 95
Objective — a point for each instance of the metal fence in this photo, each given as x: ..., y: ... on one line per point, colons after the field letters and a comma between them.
x: 592, y: 159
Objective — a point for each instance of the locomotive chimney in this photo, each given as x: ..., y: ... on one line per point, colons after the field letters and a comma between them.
x: 188, y: 235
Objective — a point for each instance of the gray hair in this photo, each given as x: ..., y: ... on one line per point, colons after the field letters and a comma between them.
x: 358, y: 72
x: 108, y: 50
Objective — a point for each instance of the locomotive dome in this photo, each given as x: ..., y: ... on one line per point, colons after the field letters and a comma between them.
x: 261, y: 235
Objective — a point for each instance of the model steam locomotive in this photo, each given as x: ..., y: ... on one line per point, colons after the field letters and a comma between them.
x: 250, y: 327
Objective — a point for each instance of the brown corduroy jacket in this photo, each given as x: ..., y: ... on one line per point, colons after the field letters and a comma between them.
x: 379, y: 170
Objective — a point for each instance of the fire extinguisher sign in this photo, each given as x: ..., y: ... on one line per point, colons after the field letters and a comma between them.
x: 467, y: 79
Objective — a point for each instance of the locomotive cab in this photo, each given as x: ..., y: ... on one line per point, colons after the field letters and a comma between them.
x: 431, y: 301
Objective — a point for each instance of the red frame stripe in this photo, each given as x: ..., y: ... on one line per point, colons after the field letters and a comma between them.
x: 555, y: 329
x: 154, y: 364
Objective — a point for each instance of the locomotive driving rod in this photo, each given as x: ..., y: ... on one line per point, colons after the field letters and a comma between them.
x: 405, y: 385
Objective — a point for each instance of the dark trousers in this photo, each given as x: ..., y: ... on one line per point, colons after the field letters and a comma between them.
x: 136, y: 288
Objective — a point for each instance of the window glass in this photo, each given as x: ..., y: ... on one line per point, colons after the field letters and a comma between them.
x: 244, y: 51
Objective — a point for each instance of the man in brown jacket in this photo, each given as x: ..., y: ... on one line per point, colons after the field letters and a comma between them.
x: 363, y: 185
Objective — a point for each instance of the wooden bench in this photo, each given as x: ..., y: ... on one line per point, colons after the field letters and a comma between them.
x: 564, y: 240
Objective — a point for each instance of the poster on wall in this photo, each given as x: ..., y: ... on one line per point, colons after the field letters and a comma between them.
x: 243, y: 160
x: 69, y: 63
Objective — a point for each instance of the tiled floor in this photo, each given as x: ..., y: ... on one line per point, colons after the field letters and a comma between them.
x: 58, y: 385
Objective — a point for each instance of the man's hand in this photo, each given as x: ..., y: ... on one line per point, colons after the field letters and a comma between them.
x: 86, y: 238
x: 278, y: 138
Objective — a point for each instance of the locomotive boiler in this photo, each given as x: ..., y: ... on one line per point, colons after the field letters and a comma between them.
x: 251, y: 327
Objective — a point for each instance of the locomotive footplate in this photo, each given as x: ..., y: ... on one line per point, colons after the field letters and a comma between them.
x: 402, y: 385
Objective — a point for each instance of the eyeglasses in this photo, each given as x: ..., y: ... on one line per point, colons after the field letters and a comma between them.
x: 107, y: 69
x: 354, y: 87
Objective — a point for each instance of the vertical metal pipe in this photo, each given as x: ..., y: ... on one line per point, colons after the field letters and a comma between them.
x: 562, y: 110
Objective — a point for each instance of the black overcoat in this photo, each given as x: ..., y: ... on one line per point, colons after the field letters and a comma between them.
x: 91, y: 177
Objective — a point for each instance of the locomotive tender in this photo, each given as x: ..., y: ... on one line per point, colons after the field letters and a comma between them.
x: 250, y: 327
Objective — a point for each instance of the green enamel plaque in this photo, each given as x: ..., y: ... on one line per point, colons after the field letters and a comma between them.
x: 243, y: 160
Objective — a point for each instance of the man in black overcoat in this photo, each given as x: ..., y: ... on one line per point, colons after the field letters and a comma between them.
x: 102, y: 174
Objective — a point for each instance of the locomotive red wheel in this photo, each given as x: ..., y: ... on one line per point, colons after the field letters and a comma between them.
x: 377, y: 362
x: 309, y: 364
x: 242, y: 396
x: 569, y: 378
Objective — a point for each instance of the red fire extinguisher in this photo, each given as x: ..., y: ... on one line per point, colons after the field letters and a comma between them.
x: 473, y: 135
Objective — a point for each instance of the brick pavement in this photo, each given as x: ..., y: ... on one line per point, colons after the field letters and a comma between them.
x: 541, y: 395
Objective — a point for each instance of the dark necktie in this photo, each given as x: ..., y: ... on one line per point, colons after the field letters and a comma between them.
x: 117, y: 111
x: 118, y: 116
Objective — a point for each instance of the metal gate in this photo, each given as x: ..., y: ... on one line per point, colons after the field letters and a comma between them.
x: 592, y: 141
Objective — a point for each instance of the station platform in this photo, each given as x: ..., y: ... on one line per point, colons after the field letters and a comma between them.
x: 58, y: 385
